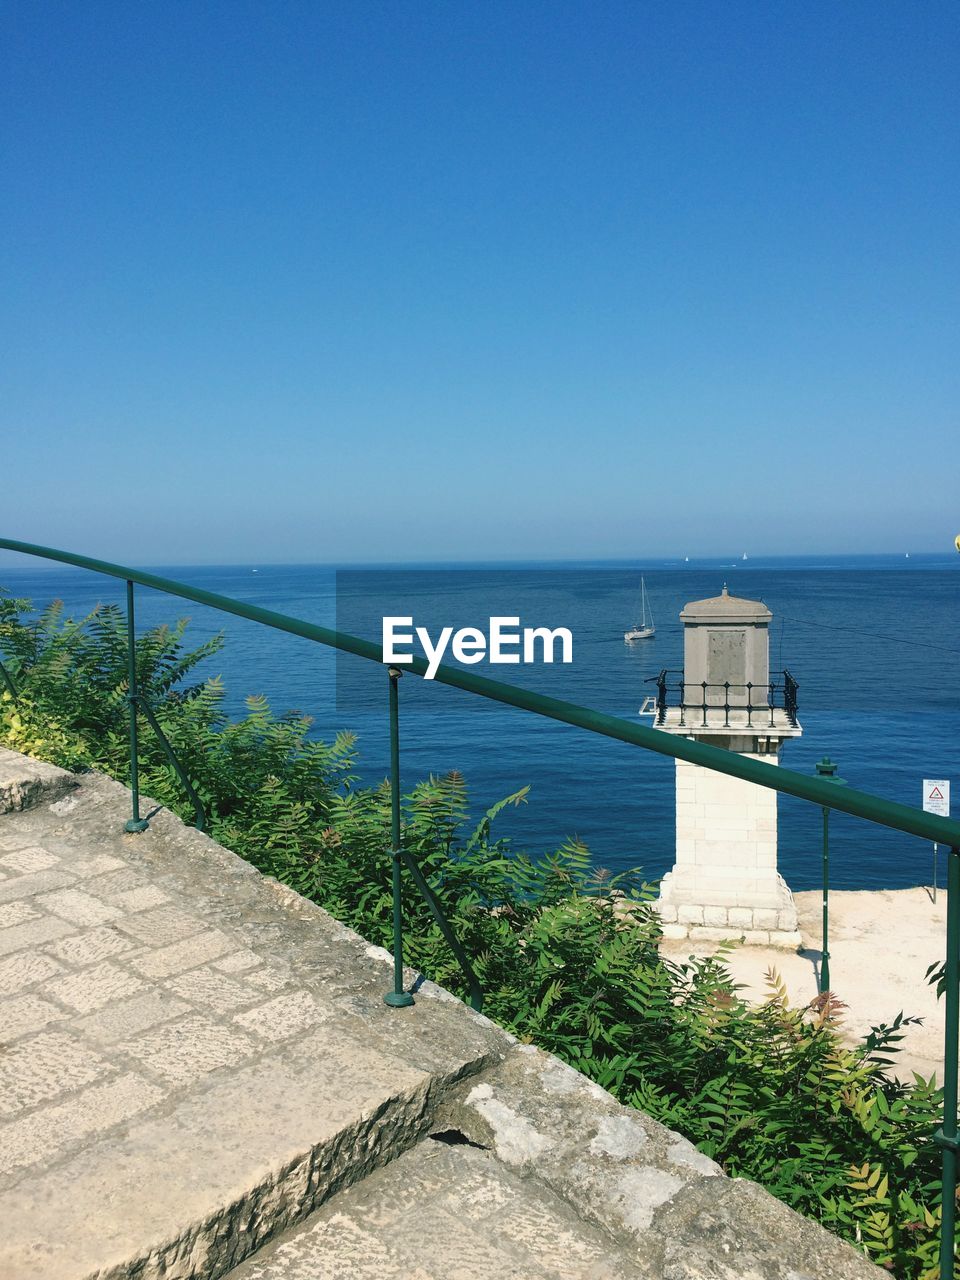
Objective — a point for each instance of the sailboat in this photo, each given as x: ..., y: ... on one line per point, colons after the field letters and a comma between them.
x: 644, y: 629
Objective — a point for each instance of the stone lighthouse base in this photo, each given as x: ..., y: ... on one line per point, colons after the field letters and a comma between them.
x: 689, y: 910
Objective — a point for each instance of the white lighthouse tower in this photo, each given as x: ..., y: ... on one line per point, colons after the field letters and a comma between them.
x: 725, y: 883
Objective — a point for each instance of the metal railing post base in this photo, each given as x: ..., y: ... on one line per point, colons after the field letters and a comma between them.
x: 399, y: 999
x: 136, y: 825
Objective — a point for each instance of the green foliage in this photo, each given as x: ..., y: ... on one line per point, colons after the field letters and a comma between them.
x: 24, y: 727
x: 568, y: 956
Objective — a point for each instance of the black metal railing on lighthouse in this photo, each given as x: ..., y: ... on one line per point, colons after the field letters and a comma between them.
x: 709, y: 704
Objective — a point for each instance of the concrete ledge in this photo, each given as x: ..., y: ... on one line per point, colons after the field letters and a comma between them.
x: 641, y: 1182
x: 25, y: 782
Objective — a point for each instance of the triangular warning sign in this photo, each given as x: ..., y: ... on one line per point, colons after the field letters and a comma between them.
x: 935, y: 794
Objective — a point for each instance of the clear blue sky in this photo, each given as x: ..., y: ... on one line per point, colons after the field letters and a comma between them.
x: 333, y: 281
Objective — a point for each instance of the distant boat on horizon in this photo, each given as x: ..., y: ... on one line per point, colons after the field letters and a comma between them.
x: 643, y: 630
x: 744, y: 556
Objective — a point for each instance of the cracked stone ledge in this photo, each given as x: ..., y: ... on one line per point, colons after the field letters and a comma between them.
x: 26, y: 783
x: 639, y: 1181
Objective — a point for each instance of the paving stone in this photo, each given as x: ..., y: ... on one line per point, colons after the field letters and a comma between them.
x: 96, y: 866
x: 32, y: 858
x: 184, y: 1050
x: 206, y: 986
x: 285, y: 1015
x: 475, y: 1255
x: 12, y: 913
x: 37, y: 882
x: 271, y: 977
x: 107, y: 886
x: 128, y: 1017
x: 26, y: 969
x: 24, y: 1015
x: 93, y: 988
x: 637, y: 1180
x: 92, y: 945
x: 64, y: 806
x: 162, y: 926
x: 189, y: 954
x: 33, y: 934
x: 43, y: 1067
x: 479, y: 1191
x: 78, y: 907
x: 337, y: 1248
x: 395, y: 1197
x: 56, y: 1129
x: 560, y: 1246
x: 140, y: 899
x: 238, y: 961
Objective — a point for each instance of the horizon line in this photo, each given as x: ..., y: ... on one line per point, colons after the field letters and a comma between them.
x: 711, y: 561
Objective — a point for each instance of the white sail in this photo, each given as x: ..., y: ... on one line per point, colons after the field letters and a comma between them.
x: 644, y: 629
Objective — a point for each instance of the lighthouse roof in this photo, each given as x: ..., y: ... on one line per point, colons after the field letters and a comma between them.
x: 725, y: 608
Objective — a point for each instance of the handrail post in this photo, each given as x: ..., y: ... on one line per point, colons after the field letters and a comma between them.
x: 825, y: 942
x: 135, y: 823
x: 947, y: 1134
x: 827, y: 769
x: 397, y: 998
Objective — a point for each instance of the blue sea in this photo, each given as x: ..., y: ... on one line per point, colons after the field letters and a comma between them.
x: 873, y: 641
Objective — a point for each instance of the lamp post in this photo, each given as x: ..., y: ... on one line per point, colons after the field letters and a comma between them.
x: 826, y: 769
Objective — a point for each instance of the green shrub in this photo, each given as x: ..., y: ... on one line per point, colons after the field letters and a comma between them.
x: 568, y: 957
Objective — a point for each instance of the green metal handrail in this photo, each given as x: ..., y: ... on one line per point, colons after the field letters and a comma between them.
x: 888, y: 813
x: 816, y: 790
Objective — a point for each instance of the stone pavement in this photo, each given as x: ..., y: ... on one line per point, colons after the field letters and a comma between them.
x: 193, y: 1059
x: 187, y: 1063
x: 399, y: 1223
